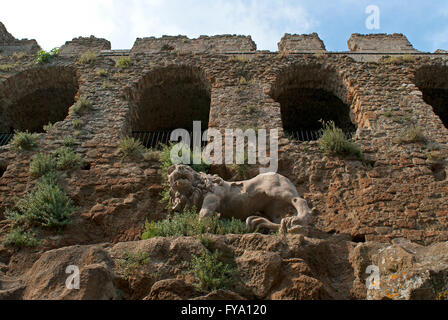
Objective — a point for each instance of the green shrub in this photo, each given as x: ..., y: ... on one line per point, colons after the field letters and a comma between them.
x: 46, y: 57
x: 81, y: 106
x: 21, y: 239
x: 69, y: 141
x: 88, y: 57
x: 47, y: 206
x: 333, y: 141
x: 413, y: 134
x: 77, y: 124
x: 67, y: 159
x: 101, y: 72
x: 124, y: 63
x: 189, y: 224
x: 42, y: 164
x: 24, y: 141
x: 131, y: 148
x: 131, y: 262
x: 210, y: 272
x: 47, y: 128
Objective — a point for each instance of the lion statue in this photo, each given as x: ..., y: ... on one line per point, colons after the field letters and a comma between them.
x: 268, y: 201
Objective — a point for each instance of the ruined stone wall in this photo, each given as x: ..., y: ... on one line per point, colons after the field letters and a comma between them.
x: 10, y: 45
x: 399, y: 191
x: 222, y: 43
x: 305, y: 43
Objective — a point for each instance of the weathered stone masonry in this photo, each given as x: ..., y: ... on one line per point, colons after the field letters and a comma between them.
x: 400, y: 192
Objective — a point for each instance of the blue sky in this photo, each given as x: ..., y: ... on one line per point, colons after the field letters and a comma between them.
x: 52, y: 22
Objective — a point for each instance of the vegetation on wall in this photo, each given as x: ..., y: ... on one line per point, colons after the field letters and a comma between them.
x: 46, y: 57
x: 334, y: 142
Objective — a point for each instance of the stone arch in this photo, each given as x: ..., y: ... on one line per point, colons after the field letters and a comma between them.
x: 169, y: 98
x: 35, y: 97
x: 308, y: 93
x: 433, y: 83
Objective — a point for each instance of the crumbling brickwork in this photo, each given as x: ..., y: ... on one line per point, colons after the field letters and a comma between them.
x: 400, y: 190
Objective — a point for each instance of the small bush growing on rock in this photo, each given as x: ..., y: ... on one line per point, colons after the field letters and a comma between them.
x: 42, y: 164
x: 21, y: 239
x: 131, y: 148
x: 211, y: 273
x: 189, y: 224
x: 46, y: 57
x: 67, y: 159
x: 333, y: 141
x: 131, y: 262
x: 69, y: 141
x: 124, y: 63
x: 24, y: 141
x: 413, y: 134
x: 88, y: 57
x: 46, y: 206
x: 81, y: 106
x: 77, y: 124
x: 101, y: 72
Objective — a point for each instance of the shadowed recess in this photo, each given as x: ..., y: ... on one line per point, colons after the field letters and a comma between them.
x: 308, y: 94
x: 170, y: 98
x: 35, y: 97
x: 433, y: 83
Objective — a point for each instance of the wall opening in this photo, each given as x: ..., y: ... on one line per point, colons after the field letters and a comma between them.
x: 308, y: 94
x: 33, y: 98
x: 3, y: 169
x: 166, y: 99
x: 433, y: 83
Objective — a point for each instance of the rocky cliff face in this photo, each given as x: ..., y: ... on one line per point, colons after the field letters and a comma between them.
x: 394, y: 101
x: 269, y: 267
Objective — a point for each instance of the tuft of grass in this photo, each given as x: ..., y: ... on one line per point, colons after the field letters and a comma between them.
x: 64, y: 158
x: 81, y: 106
x: 210, y: 272
x: 413, y: 134
x: 333, y: 141
x: 8, y: 66
x: 47, y: 206
x: 69, y: 142
x: 239, y: 58
x: 124, y: 63
x: 131, y: 262
x: 398, y: 59
x: 77, y: 124
x: 189, y: 224
x: 67, y: 159
x: 21, y: 239
x: 131, y: 148
x: 24, y: 141
x: 88, y: 57
x: 46, y: 57
x: 42, y: 164
x: 101, y: 72
x: 47, y: 128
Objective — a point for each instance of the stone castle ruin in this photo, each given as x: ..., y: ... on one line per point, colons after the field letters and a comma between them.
x: 377, y: 91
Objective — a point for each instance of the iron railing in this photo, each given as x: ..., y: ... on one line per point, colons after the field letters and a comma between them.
x: 5, y: 138
x: 153, y: 139
x: 310, y: 135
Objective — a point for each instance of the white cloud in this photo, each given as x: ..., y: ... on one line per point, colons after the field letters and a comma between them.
x: 53, y: 22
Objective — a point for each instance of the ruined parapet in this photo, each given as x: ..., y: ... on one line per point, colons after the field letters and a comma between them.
x: 301, y: 43
x: 382, y: 43
x: 213, y: 44
x: 9, y: 44
x: 83, y: 44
